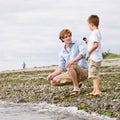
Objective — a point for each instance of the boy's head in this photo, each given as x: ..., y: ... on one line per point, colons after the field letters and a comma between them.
x: 93, y: 19
x: 63, y: 34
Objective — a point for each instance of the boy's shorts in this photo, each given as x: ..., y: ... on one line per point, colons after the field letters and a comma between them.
x: 93, y: 69
x: 65, y: 79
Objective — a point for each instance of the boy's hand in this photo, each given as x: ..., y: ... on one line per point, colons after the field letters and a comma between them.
x: 89, y: 53
x: 85, y: 39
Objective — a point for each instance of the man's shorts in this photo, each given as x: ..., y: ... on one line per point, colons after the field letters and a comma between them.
x: 65, y: 79
x: 93, y: 69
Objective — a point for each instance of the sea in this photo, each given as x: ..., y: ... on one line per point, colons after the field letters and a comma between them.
x: 44, y: 111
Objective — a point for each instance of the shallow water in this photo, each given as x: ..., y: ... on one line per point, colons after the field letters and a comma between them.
x: 43, y: 111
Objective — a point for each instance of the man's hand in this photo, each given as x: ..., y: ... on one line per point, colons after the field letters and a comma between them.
x: 68, y: 64
x: 50, y: 77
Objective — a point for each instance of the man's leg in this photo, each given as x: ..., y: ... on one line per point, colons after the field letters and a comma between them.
x: 73, y: 74
x: 62, y: 79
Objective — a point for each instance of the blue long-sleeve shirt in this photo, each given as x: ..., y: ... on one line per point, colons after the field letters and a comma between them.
x: 76, y: 48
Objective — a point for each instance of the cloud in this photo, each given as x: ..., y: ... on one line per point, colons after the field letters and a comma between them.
x: 31, y: 27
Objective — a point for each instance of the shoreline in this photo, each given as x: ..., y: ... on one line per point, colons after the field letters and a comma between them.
x: 56, y: 111
x: 105, y: 62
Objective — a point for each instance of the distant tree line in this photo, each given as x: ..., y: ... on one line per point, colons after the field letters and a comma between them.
x: 105, y: 54
x: 109, y: 55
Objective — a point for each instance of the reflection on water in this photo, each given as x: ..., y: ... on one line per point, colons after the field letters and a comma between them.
x: 43, y: 111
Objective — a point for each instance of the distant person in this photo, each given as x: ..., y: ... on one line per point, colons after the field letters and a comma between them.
x: 72, y: 59
x: 24, y: 65
x: 94, y: 53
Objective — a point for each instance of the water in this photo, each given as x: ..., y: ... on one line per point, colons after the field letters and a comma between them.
x: 29, y: 29
x: 44, y: 111
x: 21, y: 112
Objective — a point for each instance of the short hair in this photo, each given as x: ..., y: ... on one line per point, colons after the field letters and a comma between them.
x: 93, y: 19
x: 63, y: 33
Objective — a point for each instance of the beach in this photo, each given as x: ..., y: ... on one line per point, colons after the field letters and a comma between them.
x: 30, y: 86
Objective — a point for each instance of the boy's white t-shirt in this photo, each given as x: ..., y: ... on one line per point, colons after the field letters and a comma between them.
x: 95, y: 36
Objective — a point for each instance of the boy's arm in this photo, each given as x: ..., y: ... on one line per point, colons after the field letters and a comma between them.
x: 95, y: 46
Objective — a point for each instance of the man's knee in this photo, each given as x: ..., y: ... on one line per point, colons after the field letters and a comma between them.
x: 54, y: 82
x: 61, y: 82
x: 72, y: 67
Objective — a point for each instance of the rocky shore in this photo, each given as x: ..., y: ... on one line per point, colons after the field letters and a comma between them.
x: 31, y: 85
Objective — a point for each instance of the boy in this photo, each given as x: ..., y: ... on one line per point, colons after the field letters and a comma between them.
x: 94, y: 53
x: 73, y: 59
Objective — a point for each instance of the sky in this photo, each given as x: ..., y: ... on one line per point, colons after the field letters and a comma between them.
x: 29, y: 29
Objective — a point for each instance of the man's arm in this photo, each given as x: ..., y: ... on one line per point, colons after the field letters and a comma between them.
x: 55, y: 73
x: 77, y: 58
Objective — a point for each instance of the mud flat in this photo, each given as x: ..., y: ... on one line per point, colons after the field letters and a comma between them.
x: 31, y: 86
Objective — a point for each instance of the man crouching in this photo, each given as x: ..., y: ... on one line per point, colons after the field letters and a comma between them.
x: 72, y: 58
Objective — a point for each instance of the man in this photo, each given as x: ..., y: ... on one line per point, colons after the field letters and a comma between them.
x: 72, y: 58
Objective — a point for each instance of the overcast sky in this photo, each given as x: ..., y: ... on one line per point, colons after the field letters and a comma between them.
x: 31, y: 27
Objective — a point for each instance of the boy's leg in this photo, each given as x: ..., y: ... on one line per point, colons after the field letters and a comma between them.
x: 96, y: 82
x: 93, y: 73
x: 90, y: 73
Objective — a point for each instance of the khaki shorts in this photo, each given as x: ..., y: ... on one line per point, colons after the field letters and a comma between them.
x: 65, y: 79
x: 93, y: 69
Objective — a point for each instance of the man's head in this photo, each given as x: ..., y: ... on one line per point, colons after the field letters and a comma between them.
x: 93, y: 20
x: 65, y: 33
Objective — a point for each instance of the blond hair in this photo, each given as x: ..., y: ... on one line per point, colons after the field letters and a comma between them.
x: 63, y: 33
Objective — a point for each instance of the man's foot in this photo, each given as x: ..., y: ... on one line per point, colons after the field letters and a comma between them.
x: 74, y: 93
